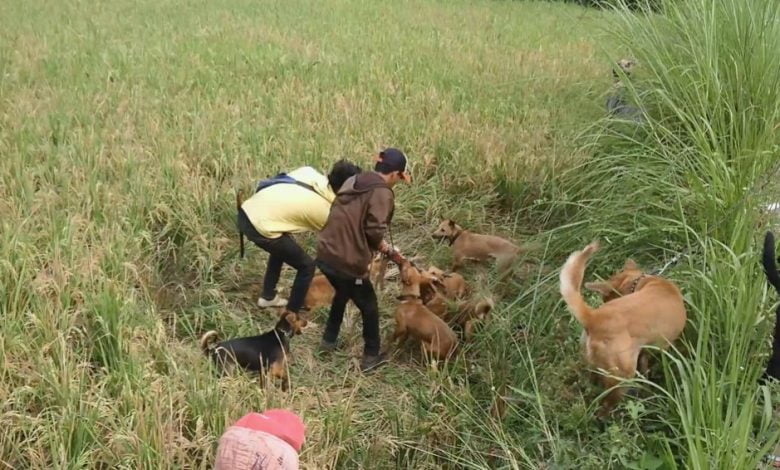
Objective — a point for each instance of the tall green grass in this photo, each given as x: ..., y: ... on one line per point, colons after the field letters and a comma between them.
x: 126, y: 127
x: 690, y: 181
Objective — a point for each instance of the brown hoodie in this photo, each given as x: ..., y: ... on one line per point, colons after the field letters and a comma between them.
x: 356, y: 225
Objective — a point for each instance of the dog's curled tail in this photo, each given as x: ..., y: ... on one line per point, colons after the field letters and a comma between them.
x: 207, y: 340
x: 770, y: 265
x: 483, y: 308
x: 571, y: 282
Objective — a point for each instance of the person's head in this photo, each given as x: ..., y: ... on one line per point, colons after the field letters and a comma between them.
x: 342, y: 171
x: 392, y: 165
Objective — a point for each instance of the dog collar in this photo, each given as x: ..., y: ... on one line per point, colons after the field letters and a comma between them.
x: 452, y: 240
x: 636, y: 283
x: 408, y: 297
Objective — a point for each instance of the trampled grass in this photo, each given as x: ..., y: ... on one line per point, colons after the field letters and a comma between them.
x: 125, y: 128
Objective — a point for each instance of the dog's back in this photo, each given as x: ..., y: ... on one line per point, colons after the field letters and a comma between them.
x: 320, y: 293
x: 424, y: 325
x: 772, y: 275
x: 253, y: 353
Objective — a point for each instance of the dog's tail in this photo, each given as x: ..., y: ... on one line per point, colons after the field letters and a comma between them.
x: 571, y: 282
x: 239, y: 201
x: 770, y: 265
x: 483, y: 308
x: 207, y: 340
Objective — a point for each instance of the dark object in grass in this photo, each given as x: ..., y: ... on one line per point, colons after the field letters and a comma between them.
x: 772, y: 275
x: 618, y: 105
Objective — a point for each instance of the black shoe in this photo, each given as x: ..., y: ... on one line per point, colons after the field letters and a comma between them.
x: 369, y: 363
x: 326, y: 347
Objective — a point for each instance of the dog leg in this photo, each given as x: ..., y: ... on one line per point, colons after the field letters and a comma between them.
x: 468, y: 330
x: 505, y: 266
x: 399, y: 335
x: 279, y: 371
x: 643, y: 364
x: 624, y: 369
x: 612, y: 398
x: 457, y: 262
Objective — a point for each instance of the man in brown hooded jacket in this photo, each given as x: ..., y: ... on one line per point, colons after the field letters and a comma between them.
x: 355, y: 230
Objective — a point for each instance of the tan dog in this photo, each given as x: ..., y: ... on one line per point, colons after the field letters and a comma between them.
x: 377, y: 270
x: 320, y: 293
x: 453, y: 283
x: 473, y: 246
x: 412, y: 318
x: 470, y: 312
x: 639, y: 310
x: 433, y: 297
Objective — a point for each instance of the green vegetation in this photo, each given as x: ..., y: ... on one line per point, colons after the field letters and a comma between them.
x: 125, y: 128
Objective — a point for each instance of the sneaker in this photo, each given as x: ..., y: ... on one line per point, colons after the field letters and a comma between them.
x: 276, y: 302
x: 327, y: 346
x: 369, y: 363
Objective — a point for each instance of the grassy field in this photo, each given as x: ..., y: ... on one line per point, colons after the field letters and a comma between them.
x: 126, y: 127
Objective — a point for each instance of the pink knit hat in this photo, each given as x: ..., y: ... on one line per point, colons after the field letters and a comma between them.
x: 269, y: 440
x: 283, y: 424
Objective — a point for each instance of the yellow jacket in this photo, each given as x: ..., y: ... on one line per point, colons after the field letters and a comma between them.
x: 289, y: 208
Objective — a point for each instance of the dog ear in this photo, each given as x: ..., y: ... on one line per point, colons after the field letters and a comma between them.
x: 630, y: 265
x: 603, y: 288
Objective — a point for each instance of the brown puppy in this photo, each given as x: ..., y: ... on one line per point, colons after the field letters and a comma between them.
x: 454, y: 284
x: 470, y: 312
x: 377, y: 270
x: 431, y: 293
x: 412, y: 318
x: 639, y: 310
x: 320, y: 293
x: 472, y: 246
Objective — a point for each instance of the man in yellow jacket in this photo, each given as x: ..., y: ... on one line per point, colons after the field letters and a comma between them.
x: 301, y: 204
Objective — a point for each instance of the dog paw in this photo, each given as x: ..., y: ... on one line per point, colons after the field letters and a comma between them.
x: 594, y: 246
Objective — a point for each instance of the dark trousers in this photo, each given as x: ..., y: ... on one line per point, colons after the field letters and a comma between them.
x: 363, y: 296
x: 282, y: 250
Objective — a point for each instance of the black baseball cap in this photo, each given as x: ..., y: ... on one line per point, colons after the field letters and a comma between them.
x: 390, y: 160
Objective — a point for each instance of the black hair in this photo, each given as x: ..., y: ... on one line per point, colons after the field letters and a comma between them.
x: 342, y: 171
x: 384, y: 168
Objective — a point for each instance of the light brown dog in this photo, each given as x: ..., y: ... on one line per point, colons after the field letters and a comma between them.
x: 470, y: 312
x: 467, y: 245
x: 320, y: 293
x: 639, y: 310
x: 453, y: 283
x: 433, y: 297
x: 412, y: 318
x: 377, y: 270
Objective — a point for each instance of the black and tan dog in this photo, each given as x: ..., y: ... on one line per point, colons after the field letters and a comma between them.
x: 265, y: 354
x: 772, y: 275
